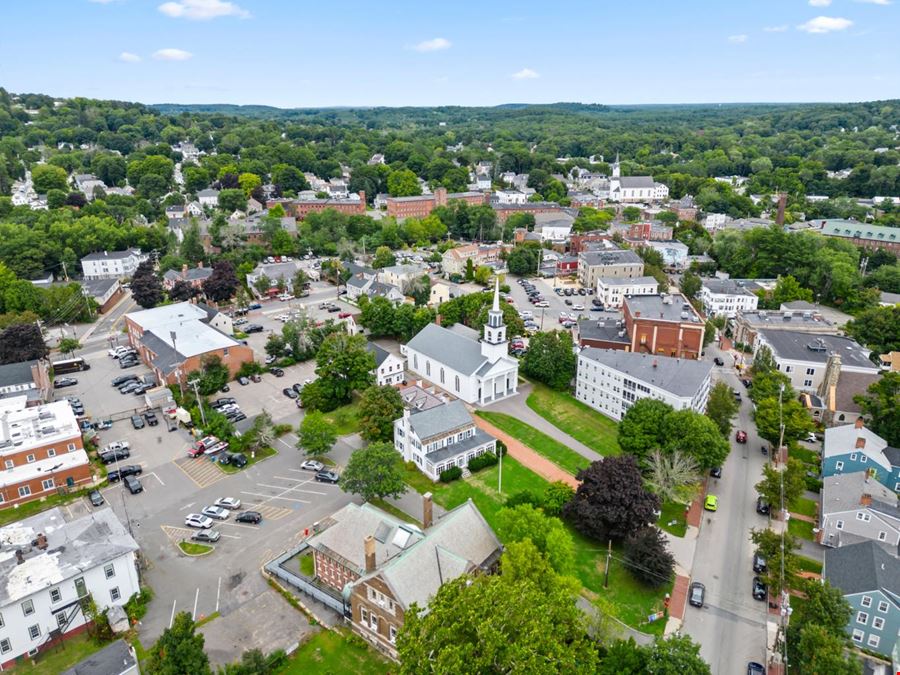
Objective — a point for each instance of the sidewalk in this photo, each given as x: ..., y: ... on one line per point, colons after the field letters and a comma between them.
x: 528, y: 457
x: 677, y: 604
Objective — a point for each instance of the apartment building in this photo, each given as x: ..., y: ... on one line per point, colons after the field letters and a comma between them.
x: 112, y: 264
x: 454, y: 260
x: 593, y: 265
x: 664, y: 325
x: 727, y: 297
x: 746, y: 325
x: 612, y: 291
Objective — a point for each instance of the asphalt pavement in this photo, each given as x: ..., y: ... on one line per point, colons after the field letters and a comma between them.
x: 731, y: 627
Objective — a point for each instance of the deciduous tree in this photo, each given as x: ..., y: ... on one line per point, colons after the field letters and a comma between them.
x: 551, y: 359
x: 69, y: 345
x: 384, y: 257
x: 222, y: 283
x: 721, y: 407
x: 880, y: 404
x: 791, y: 478
x: 344, y: 365
x: 374, y: 472
x: 146, y: 287
x: 641, y: 429
x: 378, y: 408
x: 647, y: 557
x: 316, y: 435
x: 179, y: 650
x: 547, y: 533
x: 22, y: 342
x: 697, y: 436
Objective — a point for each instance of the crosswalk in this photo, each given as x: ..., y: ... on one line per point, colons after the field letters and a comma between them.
x: 200, y: 470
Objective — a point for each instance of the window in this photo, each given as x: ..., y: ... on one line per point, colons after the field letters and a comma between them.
x: 810, y: 371
x: 34, y: 631
x: 1, y: 621
x: 9, y: 464
x: 863, y: 458
x: 29, y: 458
x: 28, y: 607
x: 442, y: 376
x: 428, y: 368
x: 839, y: 525
x: 109, y: 571
x: 71, y: 447
x: 853, y: 456
x: 60, y: 619
x: 80, y: 587
x: 393, y: 634
x: 789, y: 369
x: 55, y: 594
x: 5, y: 646
x: 865, y: 517
x: 858, y: 635
x: 364, y: 615
x: 866, y: 601
x: 47, y: 484
x: 51, y: 452
x: 839, y: 465
x: 114, y: 593
x: 862, y: 617
x: 457, y: 383
x: 807, y: 383
x: 882, y: 536
x: 882, y: 607
x: 877, y: 622
x: 873, y: 640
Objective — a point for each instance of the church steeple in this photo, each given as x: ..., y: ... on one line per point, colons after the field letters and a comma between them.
x: 493, y: 344
x: 616, y: 169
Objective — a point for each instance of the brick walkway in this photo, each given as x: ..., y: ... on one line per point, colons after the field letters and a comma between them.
x: 695, y: 512
x: 679, y: 597
x: 526, y: 456
x: 800, y: 516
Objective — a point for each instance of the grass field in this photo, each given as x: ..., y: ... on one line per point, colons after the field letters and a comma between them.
x: 673, y: 512
x: 566, y: 459
x: 307, y: 565
x: 334, y: 653
x: 806, y: 456
x: 345, y: 419
x: 575, y: 418
x: 801, y: 528
x: 805, y: 507
x: 64, y: 656
x: 809, y: 565
x: 192, y: 548
x: 33, y: 507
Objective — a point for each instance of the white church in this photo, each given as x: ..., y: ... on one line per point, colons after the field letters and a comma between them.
x: 634, y: 188
x: 476, y: 371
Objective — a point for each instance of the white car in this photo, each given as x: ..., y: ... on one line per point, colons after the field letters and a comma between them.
x: 312, y: 465
x: 198, y: 521
x: 216, y: 512
x: 117, y: 352
x: 229, y: 503
x: 578, y: 307
x: 117, y: 445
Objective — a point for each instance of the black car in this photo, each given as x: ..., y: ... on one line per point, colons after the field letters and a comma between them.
x: 290, y: 393
x: 254, y: 517
x: 297, y: 387
x: 277, y: 372
x: 697, y: 594
x: 754, y: 668
x: 95, y: 497
x: 253, y: 328
x: 65, y: 382
x: 124, y: 472
x: 760, y: 592
x: 747, y: 382
x: 122, y: 379
x: 133, y: 484
x: 235, y: 459
x: 223, y: 401
x: 716, y: 472
x: 718, y: 361
x: 111, y: 456
x: 150, y: 416
x: 327, y: 477
x: 137, y: 421
x: 762, y: 506
x: 759, y: 563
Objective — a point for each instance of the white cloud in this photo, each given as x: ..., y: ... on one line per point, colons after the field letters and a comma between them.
x: 819, y: 3
x: 526, y: 74
x: 101, y: 2
x: 171, y: 54
x: 874, y: 2
x: 825, y: 24
x: 737, y: 39
x: 128, y: 57
x: 776, y: 29
x: 202, y: 10
x: 433, y: 45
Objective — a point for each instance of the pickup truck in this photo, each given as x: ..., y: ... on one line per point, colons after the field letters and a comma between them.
x: 117, y: 445
x: 200, y: 446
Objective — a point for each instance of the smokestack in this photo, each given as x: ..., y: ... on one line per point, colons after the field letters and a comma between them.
x: 427, y: 510
x: 370, y: 553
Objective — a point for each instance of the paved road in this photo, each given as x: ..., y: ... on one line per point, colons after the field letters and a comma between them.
x: 731, y: 626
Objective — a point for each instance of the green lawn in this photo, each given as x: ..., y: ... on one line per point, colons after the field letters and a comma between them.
x: 801, y: 528
x: 307, y: 565
x: 251, y: 460
x: 192, y: 548
x: 64, y: 656
x: 31, y: 508
x: 673, y: 512
x: 809, y: 565
x: 805, y: 507
x: 805, y: 455
x: 575, y: 418
x: 566, y: 459
x: 329, y: 652
x: 345, y: 419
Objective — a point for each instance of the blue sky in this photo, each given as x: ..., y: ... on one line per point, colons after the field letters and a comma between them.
x: 301, y: 53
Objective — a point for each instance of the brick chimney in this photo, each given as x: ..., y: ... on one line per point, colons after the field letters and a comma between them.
x: 370, y: 553
x: 41, y: 541
x: 427, y: 511
x: 860, y: 442
x: 20, y: 557
x: 859, y: 424
x: 865, y: 500
x: 200, y: 265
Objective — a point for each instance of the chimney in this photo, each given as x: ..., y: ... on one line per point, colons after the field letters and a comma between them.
x: 20, y: 557
x: 860, y: 443
x: 370, y: 553
x: 865, y: 500
x: 859, y: 424
x: 42, y: 541
x: 427, y: 510
x: 184, y: 269
x: 655, y: 363
x: 200, y: 265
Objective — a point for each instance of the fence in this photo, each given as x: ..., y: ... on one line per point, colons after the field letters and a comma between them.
x: 328, y: 597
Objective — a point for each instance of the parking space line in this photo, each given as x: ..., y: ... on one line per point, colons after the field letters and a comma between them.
x: 293, y: 489
x: 269, y: 497
x: 153, y: 473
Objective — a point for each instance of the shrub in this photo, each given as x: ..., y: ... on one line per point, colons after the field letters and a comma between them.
x: 483, y: 461
x: 647, y: 557
x: 282, y: 429
x: 523, y: 497
x: 451, y: 474
x: 286, y: 362
x: 813, y: 484
x: 556, y: 496
x: 249, y: 368
x: 501, y: 448
x: 136, y: 607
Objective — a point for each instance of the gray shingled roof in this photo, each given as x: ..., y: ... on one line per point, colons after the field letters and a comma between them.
x: 731, y: 286
x: 440, y: 420
x: 98, y: 287
x: 797, y: 346
x: 892, y: 455
x: 861, y: 567
x: 605, y: 329
x: 114, y: 659
x: 111, y: 255
x: 444, y: 346
x: 843, y: 491
x: 16, y: 373
x: 637, y: 182
x: 459, y: 448
x: 681, y: 377
x: 167, y: 358
x: 379, y: 352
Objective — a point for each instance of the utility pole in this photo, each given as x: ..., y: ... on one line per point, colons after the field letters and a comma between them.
x: 608, y: 557
x: 500, y: 473
x: 195, y: 384
x: 784, y: 611
x: 65, y: 271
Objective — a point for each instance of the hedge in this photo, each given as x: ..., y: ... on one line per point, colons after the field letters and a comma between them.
x: 451, y: 474
x: 483, y: 461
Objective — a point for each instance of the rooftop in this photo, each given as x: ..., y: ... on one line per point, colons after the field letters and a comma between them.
x: 841, y: 440
x: 21, y: 428
x: 670, y: 307
x: 861, y: 567
x: 682, y: 377
x: 731, y: 286
x: 798, y: 346
x: 112, y: 255
x: 380, y: 353
x: 844, y: 491
x: 625, y: 281
x: 16, y: 373
x: 418, y: 398
x: 440, y: 421
x: 606, y: 329
x: 72, y: 548
x: 635, y: 181
x: 800, y: 318
x: 616, y: 257
x: 187, y: 322
x: 43, y: 468
x: 97, y: 288
x: 455, y: 351
x: 114, y: 659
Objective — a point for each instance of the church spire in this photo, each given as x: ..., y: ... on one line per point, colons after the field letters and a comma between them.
x: 493, y: 344
x: 496, y: 307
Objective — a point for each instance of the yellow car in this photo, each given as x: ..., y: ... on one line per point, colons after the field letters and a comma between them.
x: 711, y: 503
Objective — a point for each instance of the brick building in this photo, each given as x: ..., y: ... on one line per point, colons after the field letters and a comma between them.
x: 504, y: 211
x: 41, y: 449
x: 26, y: 378
x: 300, y: 208
x: 663, y: 324
x: 420, y: 206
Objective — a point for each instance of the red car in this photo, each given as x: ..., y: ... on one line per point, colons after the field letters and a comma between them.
x: 343, y: 315
x: 741, y: 437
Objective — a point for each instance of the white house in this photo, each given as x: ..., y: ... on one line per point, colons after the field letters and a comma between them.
x: 112, y: 264
x: 208, y: 197
x: 510, y: 197
x: 612, y: 291
x: 715, y: 222
x: 48, y: 565
x: 483, y: 182
x: 440, y: 438
x: 727, y: 297
x: 87, y: 183
x: 554, y: 230
x: 475, y: 371
x: 611, y: 380
x: 400, y: 275
x: 674, y: 253
x: 359, y: 285
x: 389, y: 368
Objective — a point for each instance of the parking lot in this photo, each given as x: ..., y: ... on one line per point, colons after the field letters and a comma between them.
x: 175, y: 485
x: 548, y: 318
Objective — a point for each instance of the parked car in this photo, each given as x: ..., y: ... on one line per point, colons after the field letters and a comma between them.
x: 754, y: 668
x: 150, y: 416
x: 243, y: 381
x: 716, y: 472
x: 216, y: 512
x: 289, y: 392
x: 253, y: 328
x: 254, y: 305
x: 117, y: 445
x: 137, y: 421
x: 255, y: 377
x: 762, y: 506
x: 95, y: 497
x: 718, y: 361
x: 198, y: 521
x: 235, y: 459
x: 711, y: 503
x: 65, y: 382
x: 697, y: 594
x: 759, y: 563
x: 312, y: 465
x: 327, y: 477
x: 277, y: 372
x: 133, y: 484
x: 124, y: 472
x: 254, y: 517
x: 740, y: 436
x: 114, y: 456
x: 104, y: 424
x: 122, y: 379
x: 208, y: 536
x: 231, y: 503
x: 225, y: 400
x: 760, y: 592
x: 747, y: 382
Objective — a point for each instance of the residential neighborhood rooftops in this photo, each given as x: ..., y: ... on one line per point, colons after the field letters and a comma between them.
x: 862, y: 567
x: 848, y: 491
x: 71, y: 548
x: 799, y: 346
x: 682, y: 377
